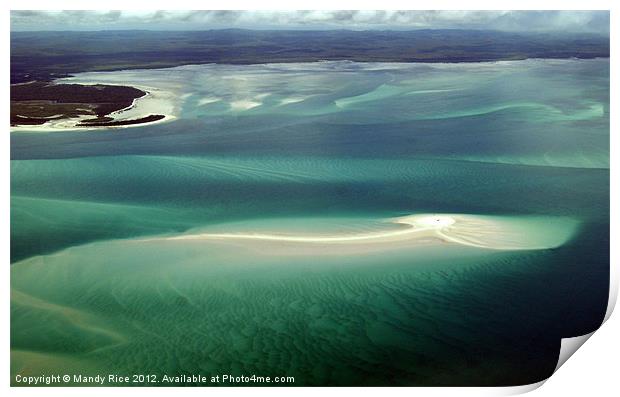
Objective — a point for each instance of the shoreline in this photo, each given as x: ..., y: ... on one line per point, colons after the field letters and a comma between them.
x: 58, y: 127
x: 268, y: 62
x: 122, y: 115
x: 166, y: 101
x: 287, y: 62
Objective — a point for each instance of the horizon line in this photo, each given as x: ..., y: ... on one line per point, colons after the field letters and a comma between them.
x: 288, y: 29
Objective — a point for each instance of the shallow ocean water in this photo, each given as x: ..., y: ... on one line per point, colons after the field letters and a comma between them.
x: 308, y: 148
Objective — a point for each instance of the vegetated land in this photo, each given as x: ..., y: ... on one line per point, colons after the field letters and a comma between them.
x: 111, y: 123
x: 38, y: 102
x: 47, y: 55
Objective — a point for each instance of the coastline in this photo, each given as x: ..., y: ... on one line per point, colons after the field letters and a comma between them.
x: 166, y: 98
x: 155, y: 102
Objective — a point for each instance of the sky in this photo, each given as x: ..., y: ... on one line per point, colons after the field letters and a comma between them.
x: 514, y: 21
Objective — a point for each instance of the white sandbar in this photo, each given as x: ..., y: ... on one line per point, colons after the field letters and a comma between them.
x: 488, y: 232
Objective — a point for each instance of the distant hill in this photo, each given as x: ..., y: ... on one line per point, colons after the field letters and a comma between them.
x: 45, y: 55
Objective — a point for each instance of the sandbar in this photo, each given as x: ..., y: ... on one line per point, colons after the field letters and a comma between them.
x: 479, y: 231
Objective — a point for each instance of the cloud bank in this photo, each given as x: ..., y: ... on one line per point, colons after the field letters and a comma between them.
x: 516, y: 21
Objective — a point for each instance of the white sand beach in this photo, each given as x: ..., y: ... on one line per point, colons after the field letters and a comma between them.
x: 160, y: 99
x: 155, y: 102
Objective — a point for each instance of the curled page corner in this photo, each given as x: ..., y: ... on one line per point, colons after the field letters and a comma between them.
x: 569, y: 347
x: 516, y: 390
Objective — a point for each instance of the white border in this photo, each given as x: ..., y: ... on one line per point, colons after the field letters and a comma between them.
x: 593, y: 371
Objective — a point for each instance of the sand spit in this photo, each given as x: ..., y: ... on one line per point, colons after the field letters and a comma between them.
x: 487, y: 232
x: 157, y: 101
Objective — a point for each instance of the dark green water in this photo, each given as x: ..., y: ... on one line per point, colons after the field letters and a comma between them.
x: 349, y: 142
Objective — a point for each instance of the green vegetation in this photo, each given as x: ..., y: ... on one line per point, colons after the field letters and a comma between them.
x: 37, y: 102
x: 107, y: 122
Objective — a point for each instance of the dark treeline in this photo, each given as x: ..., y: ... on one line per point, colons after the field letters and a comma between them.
x: 46, y: 55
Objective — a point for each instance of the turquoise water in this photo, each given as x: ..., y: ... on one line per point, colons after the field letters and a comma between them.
x: 334, y: 147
